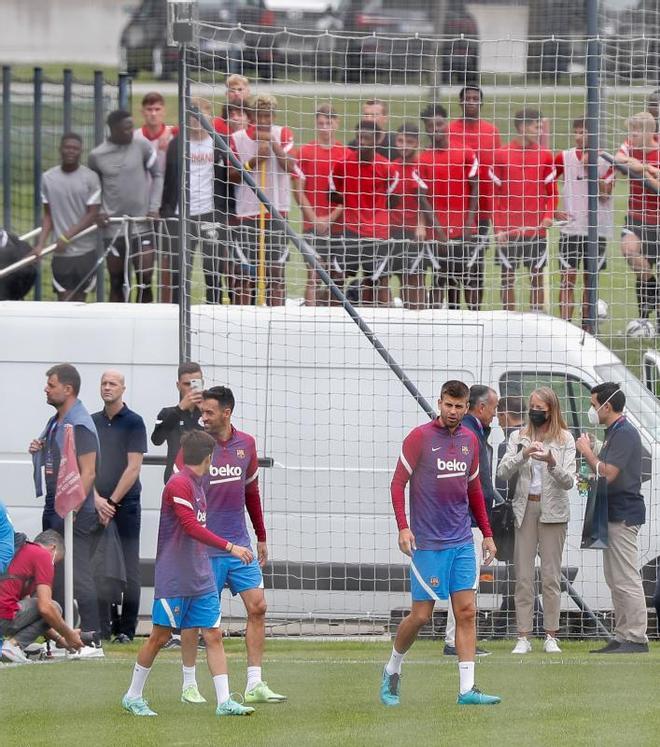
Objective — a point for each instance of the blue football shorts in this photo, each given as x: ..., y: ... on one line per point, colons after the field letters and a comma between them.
x: 187, y: 612
x: 436, y: 574
x: 233, y: 573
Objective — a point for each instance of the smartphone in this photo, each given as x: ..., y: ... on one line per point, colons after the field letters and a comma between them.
x: 196, y: 385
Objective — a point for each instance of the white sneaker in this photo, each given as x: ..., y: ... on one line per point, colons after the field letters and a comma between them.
x: 523, y: 646
x: 550, y: 645
x: 14, y: 653
x: 88, y: 652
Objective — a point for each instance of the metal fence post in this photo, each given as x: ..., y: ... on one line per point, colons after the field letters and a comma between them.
x: 37, y: 129
x: 6, y: 146
x: 123, y: 97
x: 99, y: 128
x: 67, y: 93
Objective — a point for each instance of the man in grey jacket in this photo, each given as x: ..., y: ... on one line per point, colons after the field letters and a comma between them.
x: 132, y: 184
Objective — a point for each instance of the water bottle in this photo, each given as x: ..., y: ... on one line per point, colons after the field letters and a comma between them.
x: 583, y: 480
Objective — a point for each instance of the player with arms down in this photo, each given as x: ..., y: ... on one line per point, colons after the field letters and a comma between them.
x: 185, y: 594
x: 441, y: 461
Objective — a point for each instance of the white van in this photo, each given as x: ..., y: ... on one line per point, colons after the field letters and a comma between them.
x: 327, y: 412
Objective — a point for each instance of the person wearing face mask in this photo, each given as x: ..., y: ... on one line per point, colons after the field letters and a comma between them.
x: 620, y: 463
x: 543, y: 453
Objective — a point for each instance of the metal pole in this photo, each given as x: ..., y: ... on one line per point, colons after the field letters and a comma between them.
x: 68, y: 569
x: 310, y: 258
x: 593, y: 142
x: 99, y: 128
x: 184, y: 201
x: 124, y: 91
x: 37, y: 120
x: 6, y: 146
x: 67, y: 95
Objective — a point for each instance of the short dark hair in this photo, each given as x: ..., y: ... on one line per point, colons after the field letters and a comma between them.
x: 117, y: 116
x: 326, y: 110
x: 223, y: 395
x: 377, y: 102
x: 433, y: 110
x: 66, y: 374
x: 409, y: 129
x: 366, y: 125
x: 227, y: 109
x: 188, y: 368
x: 50, y: 537
x: 580, y: 123
x: 470, y: 87
x: 479, y: 393
x: 153, y: 97
x: 523, y: 116
x: 71, y: 136
x: 196, y: 446
x: 455, y: 388
x: 610, y: 392
x: 513, y: 405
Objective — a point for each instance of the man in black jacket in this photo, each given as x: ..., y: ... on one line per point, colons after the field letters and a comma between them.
x: 208, y: 209
x: 173, y: 422
x: 482, y: 407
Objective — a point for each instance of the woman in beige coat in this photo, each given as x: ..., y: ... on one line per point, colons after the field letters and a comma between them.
x: 542, y: 453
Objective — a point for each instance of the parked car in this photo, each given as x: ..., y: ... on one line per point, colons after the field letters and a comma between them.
x: 235, y: 36
x: 399, y: 37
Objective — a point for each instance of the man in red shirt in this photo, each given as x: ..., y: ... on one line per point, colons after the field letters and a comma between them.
x: 154, y: 130
x: 310, y: 189
x: 450, y: 177
x: 525, y: 201
x: 474, y: 133
x: 363, y: 184
x: 640, y: 237
x: 409, y: 259
x: 24, y: 617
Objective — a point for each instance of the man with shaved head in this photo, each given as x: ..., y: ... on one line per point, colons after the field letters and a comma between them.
x: 123, y: 441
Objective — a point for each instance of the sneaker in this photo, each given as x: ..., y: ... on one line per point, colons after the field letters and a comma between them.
x: 36, y: 651
x: 14, y: 653
x: 232, y: 708
x: 608, y: 648
x: 390, y: 687
x: 137, y: 706
x: 550, y: 645
x: 482, y: 652
x: 449, y: 650
x: 523, y: 646
x: 88, y: 652
x: 476, y: 697
x: 122, y: 638
x: 630, y: 647
x: 192, y: 695
x: 261, y: 693
x: 174, y: 642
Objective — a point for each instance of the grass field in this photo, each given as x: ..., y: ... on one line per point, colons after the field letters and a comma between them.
x: 572, y: 698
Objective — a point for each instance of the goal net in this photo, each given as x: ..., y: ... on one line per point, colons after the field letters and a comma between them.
x: 466, y: 245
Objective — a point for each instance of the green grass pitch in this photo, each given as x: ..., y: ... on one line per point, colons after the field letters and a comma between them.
x: 568, y: 699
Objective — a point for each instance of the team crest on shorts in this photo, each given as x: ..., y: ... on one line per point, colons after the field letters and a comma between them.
x: 465, y: 449
x: 433, y: 581
x: 240, y: 453
x: 177, y: 609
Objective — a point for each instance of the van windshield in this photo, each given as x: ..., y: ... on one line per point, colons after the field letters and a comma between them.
x: 644, y: 407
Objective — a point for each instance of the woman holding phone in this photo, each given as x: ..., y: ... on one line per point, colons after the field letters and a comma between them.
x: 542, y: 454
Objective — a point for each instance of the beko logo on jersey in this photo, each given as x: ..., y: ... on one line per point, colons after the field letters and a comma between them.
x: 452, y: 465
x: 227, y: 470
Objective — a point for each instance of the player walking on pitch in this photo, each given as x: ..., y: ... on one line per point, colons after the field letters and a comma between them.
x: 441, y: 461
x: 232, y: 487
x: 184, y: 589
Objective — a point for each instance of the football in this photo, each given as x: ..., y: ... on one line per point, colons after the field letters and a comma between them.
x: 602, y: 309
x: 640, y: 328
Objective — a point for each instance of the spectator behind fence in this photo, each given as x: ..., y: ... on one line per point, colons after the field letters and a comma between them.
x: 510, y: 417
x: 316, y: 160
x: 173, y: 422
x: 24, y: 617
x: 619, y: 461
x: 123, y: 441
x: 264, y: 149
x: 377, y: 111
x: 482, y: 404
x: 543, y: 455
x: 572, y: 166
x: 237, y: 90
x: 154, y: 130
x: 525, y: 200
x: 207, y: 209
x: 62, y: 389
x: 18, y: 284
x: 71, y: 196
x: 132, y: 185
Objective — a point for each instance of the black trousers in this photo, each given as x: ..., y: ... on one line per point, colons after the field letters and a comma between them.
x: 113, y: 621
x: 85, y: 538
